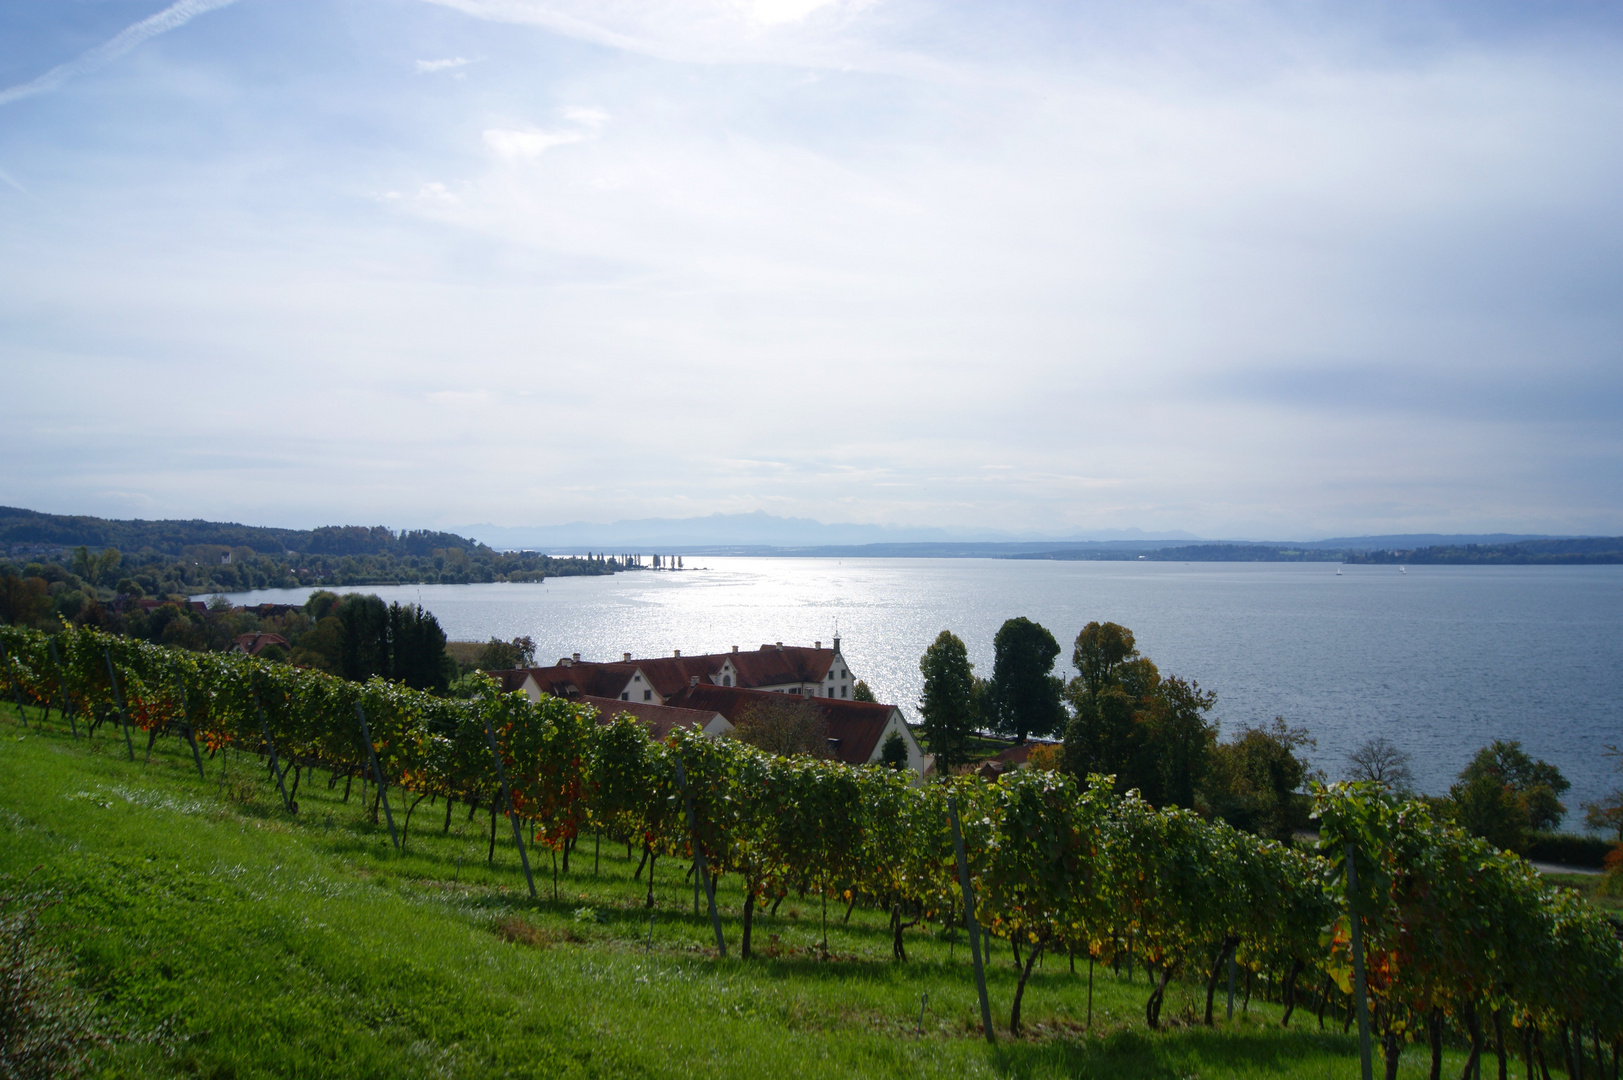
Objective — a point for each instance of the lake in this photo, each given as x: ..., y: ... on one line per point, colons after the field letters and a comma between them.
x: 1438, y: 659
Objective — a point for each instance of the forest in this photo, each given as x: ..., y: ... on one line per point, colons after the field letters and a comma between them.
x: 52, y: 565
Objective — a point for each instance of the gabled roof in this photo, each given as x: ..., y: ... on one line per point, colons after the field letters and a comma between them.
x: 774, y: 665
x: 660, y: 720
x: 575, y: 680
x: 854, y: 727
x: 254, y: 644
x: 668, y: 674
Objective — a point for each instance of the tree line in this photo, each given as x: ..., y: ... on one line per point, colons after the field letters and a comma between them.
x: 1154, y: 733
x: 1119, y: 716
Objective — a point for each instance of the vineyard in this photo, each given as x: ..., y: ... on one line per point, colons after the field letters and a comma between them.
x: 1454, y: 943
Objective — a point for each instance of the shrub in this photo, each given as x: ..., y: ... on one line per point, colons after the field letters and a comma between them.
x: 1568, y: 849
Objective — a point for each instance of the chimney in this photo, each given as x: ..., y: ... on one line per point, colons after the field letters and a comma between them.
x: 735, y: 648
x: 819, y: 644
x: 577, y: 657
x: 780, y: 646
x: 693, y: 680
x: 628, y: 658
x: 677, y: 653
x: 836, y: 643
x: 563, y: 662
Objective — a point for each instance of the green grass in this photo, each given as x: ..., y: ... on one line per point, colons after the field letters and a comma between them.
x: 254, y: 943
x: 1586, y: 886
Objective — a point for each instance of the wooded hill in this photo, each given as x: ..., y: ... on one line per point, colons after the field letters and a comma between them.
x: 160, y: 558
x: 1577, y: 551
x: 1570, y: 551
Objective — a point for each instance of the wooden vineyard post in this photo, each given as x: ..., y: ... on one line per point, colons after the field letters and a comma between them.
x: 1359, y: 988
x: 1230, y: 1012
x: 507, y: 797
x: 62, y: 685
x: 276, y: 769
x: 969, y: 919
x: 186, y: 726
x: 383, y: 789
x: 118, y: 700
x: 698, y: 858
x: 16, y: 688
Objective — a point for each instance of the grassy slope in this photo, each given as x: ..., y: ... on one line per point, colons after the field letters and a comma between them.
x: 281, y: 946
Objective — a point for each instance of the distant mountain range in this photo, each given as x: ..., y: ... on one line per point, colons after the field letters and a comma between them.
x: 737, y: 533
x: 24, y: 531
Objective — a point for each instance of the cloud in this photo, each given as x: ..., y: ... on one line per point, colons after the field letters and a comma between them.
x: 425, y: 67
x: 527, y: 144
x: 811, y: 33
x: 593, y: 118
x: 6, y: 178
x: 1275, y: 279
x: 170, y: 18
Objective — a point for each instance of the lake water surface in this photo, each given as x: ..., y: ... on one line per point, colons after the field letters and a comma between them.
x: 1439, y: 659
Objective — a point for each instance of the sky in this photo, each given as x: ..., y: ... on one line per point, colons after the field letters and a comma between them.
x: 1241, y: 269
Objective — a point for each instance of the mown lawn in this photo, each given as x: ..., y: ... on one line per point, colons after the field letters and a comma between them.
x: 229, y: 939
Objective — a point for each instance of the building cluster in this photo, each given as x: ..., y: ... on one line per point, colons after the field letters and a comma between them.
x: 713, y: 690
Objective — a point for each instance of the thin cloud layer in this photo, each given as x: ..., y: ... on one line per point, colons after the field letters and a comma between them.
x: 175, y: 15
x: 1240, y: 270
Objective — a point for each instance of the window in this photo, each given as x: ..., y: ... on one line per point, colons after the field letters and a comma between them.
x: 844, y: 674
x: 842, y: 691
x: 636, y: 678
x: 625, y: 697
x: 648, y: 695
x: 726, y: 680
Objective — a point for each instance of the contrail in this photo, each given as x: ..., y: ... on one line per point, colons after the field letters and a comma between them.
x: 177, y: 14
x: 16, y: 185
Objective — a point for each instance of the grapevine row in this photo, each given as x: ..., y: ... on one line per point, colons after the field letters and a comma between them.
x: 1456, y: 933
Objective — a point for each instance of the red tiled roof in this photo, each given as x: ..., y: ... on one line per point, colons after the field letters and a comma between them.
x: 254, y: 644
x: 660, y: 720
x: 773, y: 666
x: 856, y: 725
x: 574, y: 680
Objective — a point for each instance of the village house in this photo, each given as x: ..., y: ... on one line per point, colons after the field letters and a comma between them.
x: 254, y: 644
x: 715, y: 688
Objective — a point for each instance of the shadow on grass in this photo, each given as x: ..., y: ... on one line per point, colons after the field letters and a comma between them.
x: 1173, y: 1055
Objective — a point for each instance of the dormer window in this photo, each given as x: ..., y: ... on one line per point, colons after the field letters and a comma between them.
x: 726, y: 680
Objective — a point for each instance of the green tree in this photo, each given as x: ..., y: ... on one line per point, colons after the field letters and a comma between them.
x: 948, y: 705
x: 894, y: 751
x: 364, y: 649
x: 1100, y: 649
x: 1254, y: 780
x: 1102, y: 738
x: 1484, y: 805
x: 417, y: 649
x: 24, y: 601
x: 499, y: 655
x: 1176, y: 741
x: 861, y: 692
x: 1024, y: 696
x: 1153, y: 734
x: 1538, y: 784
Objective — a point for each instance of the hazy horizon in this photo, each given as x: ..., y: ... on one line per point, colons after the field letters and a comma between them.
x: 1249, y: 270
